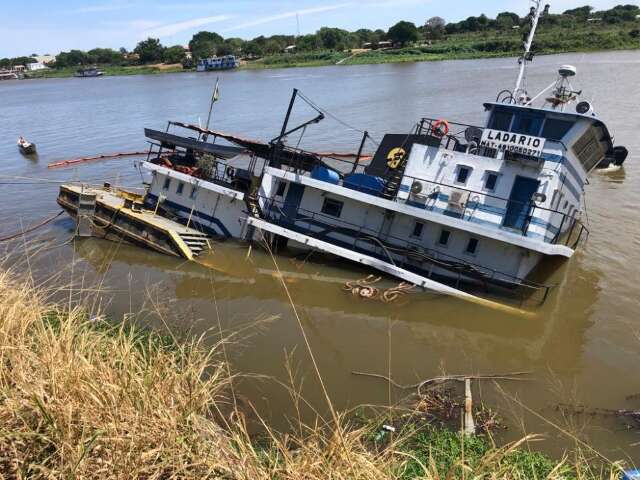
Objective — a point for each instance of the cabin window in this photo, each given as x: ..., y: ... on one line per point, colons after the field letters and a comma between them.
x: 589, y: 149
x: 281, y: 188
x: 332, y: 207
x: 566, y: 204
x: 194, y: 192
x: 444, y: 238
x: 180, y: 188
x: 472, y: 246
x: 527, y: 124
x: 556, y: 129
x: 490, y: 181
x: 463, y: 174
x: 501, y: 121
x: 167, y: 183
x: 418, y: 227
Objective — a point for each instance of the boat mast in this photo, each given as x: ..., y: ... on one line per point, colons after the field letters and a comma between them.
x: 519, y: 93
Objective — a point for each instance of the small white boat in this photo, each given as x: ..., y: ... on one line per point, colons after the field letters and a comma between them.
x: 26, y: 147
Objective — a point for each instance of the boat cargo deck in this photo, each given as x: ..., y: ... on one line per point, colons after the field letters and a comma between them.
x: 109, y: 212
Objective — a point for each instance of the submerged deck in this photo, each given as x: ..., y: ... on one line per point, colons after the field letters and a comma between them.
x: 103, y: 211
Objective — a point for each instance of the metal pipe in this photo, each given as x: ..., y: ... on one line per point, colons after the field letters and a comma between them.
x: 288, y: 115
x: 364, y: 139
x: 527, y: 47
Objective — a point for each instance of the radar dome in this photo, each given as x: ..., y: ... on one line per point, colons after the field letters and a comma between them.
x: 567, y: 71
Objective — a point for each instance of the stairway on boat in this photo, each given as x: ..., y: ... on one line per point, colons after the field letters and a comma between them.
x: 197, y: 242
x: 394, y: 179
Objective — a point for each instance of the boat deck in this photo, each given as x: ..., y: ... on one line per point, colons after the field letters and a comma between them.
x: 121, y: 212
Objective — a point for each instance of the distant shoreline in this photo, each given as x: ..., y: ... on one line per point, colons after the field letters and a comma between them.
x: 337, y: 59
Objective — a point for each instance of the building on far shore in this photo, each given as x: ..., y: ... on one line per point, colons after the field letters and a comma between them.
x: 32, y: 67
x: 44, y: 59
x: 290, y: 49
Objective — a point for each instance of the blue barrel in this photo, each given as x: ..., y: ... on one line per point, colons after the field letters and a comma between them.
x: 325, y: 174
x: 364, y: 183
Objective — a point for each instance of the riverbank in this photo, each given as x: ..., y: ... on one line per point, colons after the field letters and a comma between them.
x: 462, y: 46
x: 84, y: 397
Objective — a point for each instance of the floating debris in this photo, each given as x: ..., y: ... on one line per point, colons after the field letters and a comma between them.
x: 364, y: 288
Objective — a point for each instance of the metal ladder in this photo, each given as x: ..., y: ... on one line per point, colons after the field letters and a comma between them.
x: 197, y: 242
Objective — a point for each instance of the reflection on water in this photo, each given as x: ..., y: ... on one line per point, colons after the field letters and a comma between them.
x: 582, y: 344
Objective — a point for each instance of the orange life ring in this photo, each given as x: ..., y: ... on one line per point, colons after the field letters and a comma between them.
x: 440, y: 128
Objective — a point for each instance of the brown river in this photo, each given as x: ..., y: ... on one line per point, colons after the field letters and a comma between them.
x: 582, y: 345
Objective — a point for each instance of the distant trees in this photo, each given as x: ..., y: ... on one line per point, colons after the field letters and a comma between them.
x: 150, y: 50
x: 620, y: 14
x: 334, y: 38
x: 174, y: 54
x: 403, y: 33
x: 506, y: 20
x: 208, y: 44
x: 205, y: 44
x: 581, y: 13
x: 11, y: 62
x: 434, y: 28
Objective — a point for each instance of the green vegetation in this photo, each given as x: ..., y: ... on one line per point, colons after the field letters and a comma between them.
x: 85, y: 398
x: 578, y: 29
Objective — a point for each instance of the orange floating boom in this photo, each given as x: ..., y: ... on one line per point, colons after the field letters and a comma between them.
x: 94, y: 158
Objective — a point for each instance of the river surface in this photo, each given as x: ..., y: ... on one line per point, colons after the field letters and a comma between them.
x: 583, y: 345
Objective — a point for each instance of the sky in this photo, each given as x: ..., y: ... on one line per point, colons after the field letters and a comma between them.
x: 51, y: 26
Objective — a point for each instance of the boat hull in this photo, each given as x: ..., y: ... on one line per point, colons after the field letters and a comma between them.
x: 27, y: 149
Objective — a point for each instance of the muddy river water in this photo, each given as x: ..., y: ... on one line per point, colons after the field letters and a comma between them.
x: 583, y: 345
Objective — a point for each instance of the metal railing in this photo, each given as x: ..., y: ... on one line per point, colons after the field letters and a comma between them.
x: 466, y: 138
x: 397, y: 251
x: 468, y: 209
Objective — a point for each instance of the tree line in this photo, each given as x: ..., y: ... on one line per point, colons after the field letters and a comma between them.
x: 207, y: 44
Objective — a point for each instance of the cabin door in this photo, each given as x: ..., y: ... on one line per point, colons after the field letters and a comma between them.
x: 292, y: 202
x: 520, y: 203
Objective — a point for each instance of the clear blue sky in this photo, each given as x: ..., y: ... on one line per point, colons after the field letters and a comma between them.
x: 48, y: 26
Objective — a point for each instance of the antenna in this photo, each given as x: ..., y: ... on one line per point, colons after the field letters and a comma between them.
x: 297, y: 25
x: 520, y: 93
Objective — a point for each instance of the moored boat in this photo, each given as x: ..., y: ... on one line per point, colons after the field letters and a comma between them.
x: 89, y: 72
x: 26, y: 147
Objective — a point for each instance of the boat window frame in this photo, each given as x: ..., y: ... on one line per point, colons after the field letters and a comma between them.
x: 326, y: 207
x: 476, y: 242
x: 459, y: 169
x: 281, y: 188
x: 555, y: 119
x: 590, y: 143
x: 487, y: 175
x: 166, y: 184
x: 180, y: 188
x: 194, y: 192
x: 447, y: 237
x: 419, y: 226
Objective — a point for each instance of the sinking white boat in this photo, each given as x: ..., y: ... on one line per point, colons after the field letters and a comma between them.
x: 452, y: 207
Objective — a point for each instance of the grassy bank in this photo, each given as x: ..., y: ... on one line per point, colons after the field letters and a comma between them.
x: 83, y: 398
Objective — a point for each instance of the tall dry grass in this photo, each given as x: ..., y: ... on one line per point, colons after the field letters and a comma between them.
x: 82, y: 399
